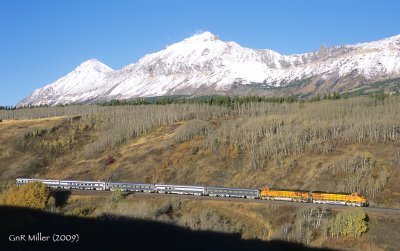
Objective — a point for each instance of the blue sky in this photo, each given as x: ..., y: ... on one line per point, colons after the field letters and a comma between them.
x: 42, y: 41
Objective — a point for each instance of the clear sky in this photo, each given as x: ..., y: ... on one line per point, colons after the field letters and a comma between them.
x: 43, y: 40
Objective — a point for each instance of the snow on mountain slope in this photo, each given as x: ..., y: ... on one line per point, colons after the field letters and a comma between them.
x: 200, y: 61
x: 203, y: 64
x: 85, y: 82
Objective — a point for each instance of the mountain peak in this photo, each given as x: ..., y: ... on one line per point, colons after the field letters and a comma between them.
x: 204, y: 36
x: 93, y: 65
x: 203, y: 65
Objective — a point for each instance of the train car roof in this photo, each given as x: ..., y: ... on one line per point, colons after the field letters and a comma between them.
x: 343, y: 193
x: 289, y: 190
x: 235, y: 188
x: 86, y: 181
x: 35, y: 179
x: 178, y: 185
x: 131, y: 183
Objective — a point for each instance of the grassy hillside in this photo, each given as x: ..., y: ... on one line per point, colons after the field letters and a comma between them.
x: 331, y: 145
x: 338, y: 145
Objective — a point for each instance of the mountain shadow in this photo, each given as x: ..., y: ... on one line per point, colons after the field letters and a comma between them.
x: 118, y: 233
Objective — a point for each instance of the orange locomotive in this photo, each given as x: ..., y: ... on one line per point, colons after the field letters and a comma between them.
x: 352, y: 199
x: 288, y: 195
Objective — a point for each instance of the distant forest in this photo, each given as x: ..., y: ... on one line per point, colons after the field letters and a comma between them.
x: 228, y: 101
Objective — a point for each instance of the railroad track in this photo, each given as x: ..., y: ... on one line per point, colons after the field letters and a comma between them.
x: 379, y: 210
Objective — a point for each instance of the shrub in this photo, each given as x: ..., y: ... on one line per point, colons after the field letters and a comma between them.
x: 110, y: 160
x: 351, y: 222
x: 34, y: 195
x: 116, y: 196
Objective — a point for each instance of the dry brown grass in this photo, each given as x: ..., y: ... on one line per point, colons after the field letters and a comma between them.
x: 346, y: 243
x: 11, y: 129
x: 26, y: 154
x: 251, y: 220
x: 157, y: 158
x: 13, y: 162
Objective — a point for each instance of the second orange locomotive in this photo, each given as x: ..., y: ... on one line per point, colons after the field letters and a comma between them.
x: 352, y: 199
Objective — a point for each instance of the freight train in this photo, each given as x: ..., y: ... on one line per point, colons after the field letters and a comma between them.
x: 352, y: 199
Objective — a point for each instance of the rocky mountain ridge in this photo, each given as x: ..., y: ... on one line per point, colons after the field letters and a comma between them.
x: 203, y: 65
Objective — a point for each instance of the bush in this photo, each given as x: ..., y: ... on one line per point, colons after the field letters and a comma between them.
x: 351, y: 222
x: 110, y: 160
x: 34, y: 195
x: 116, y: 196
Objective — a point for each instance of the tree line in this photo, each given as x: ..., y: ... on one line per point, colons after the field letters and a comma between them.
x: 8, y: 107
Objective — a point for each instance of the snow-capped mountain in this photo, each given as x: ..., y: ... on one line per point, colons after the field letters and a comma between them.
x: 86, y: 82
x: 203, y: 64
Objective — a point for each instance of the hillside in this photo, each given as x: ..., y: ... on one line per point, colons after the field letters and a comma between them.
x: 332, y: 145
x: 342, y: 145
